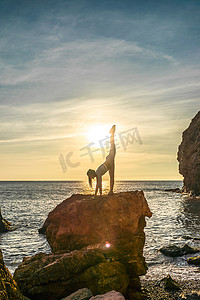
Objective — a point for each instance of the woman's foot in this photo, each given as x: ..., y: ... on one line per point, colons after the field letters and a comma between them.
x: 112, y: 130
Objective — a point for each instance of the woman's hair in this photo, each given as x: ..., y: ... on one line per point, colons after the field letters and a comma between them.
x: 91, y: 174
x: 90, y: 181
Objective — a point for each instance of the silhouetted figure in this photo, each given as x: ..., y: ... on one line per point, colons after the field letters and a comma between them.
x: 108, y: 165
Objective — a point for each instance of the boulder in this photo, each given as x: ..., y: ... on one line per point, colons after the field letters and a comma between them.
x: 189, y: 157
x: 169, y: 284
x: 174, y: 251
x: 194, y: 260
x: 8, y: 287
x: 82, y: 294
x: 113, y: 223
x: 55, y: 276
x: 112, y: 295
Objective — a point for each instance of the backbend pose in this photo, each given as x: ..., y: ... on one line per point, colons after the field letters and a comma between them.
x: 108, y: 165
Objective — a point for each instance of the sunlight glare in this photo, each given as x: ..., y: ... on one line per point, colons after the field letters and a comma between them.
x: 97, y: 133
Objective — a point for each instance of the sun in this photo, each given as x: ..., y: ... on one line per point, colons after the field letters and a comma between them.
x: 97, y: 133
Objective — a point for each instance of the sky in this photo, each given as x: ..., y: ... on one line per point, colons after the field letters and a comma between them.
x: 71, y: 69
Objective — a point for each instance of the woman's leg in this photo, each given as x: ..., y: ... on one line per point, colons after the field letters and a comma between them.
x: 112, y: 151
x: 111, y: 155
x: 100, y: 186
x: 111, y: 173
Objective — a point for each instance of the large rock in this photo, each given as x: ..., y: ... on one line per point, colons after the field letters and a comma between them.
x: 8, y: 287
x: 55, y: 276
x: 97, y: 243
x: 189, y: 156
x: 111, y: 223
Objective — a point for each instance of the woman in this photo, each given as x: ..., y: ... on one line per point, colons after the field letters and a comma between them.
x: 108, y: 165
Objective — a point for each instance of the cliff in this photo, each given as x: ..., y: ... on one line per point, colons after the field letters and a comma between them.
x: 97, y: 243
x: 189, y: 157
x: 8, y: 287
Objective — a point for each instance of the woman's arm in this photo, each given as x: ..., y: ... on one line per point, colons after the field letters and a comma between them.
x: 98, y: 185
x: 96, y: 189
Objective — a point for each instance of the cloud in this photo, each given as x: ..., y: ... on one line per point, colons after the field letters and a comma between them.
x: 68, y: 65
x: 75, y: 60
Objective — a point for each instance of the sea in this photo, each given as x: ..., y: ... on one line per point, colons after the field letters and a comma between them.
x: 175, y: 220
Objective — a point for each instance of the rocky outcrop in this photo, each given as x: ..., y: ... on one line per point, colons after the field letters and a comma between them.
x: 4, y: 224
x: 8, y: 287
x: 174, y: 250
x: 169, y: 284
x: 55, y: 276
x: 176, y: 190
x: 189, y: 157
x: 97, y: 243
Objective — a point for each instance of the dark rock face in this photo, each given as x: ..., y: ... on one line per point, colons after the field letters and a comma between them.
x: 189, y: 156
x: 8, y: 287
x: 174, y: 251
x: 54, y: 276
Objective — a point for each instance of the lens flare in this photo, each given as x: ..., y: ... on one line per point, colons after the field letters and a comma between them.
x: 107, y: 245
